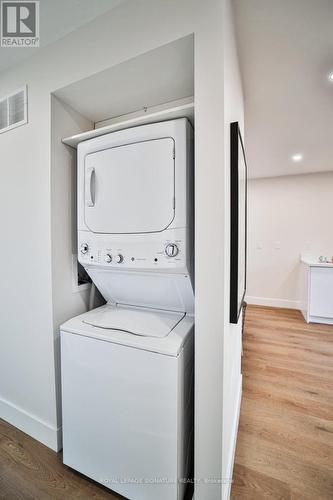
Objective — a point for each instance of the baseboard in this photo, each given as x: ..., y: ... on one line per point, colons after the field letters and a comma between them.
x: 226, y: 488
x: 318, y: 319
x: 264, y: 301
x: 31, y: 425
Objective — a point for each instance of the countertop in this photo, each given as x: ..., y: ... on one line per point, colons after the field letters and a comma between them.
x: 312, y: 262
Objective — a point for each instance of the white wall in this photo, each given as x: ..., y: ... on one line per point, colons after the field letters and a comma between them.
x: 64, y: 122
x: 67, y: 301
x: 27, y: 366
x: 27, y: 384
x: 232, y: 345
x: 287, y: 216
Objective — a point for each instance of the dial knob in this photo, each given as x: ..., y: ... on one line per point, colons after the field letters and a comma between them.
x: 84, y: 248
x: 171, y: 250
x: 119, y: 258
x: 108, y: 258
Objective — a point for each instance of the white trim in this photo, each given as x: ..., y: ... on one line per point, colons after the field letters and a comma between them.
x: 145, y: 112
x: 321, y: 320
x: 305, y: 314
x: 171, y: 112
x: 226, y: 488
x: 265, y: 301
x: 31, y: 425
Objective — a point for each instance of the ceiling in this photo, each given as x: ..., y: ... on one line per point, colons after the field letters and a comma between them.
x: 57, y: 19
x: 286, y: 55
x: 161, y: 75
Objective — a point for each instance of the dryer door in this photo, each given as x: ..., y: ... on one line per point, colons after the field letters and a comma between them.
x: 130, y: 188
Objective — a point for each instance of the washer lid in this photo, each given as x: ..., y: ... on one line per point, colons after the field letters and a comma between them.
x: 134, y: 320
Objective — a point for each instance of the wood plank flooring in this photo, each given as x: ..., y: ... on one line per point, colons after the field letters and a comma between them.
x: 31, y: 471
x: 285, y: 441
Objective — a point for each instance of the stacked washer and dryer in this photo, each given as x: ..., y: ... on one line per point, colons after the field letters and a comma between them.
x: 127, y: 367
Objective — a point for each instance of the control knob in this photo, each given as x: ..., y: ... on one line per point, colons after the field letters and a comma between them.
x: 108, y: 258
x: 84, y: 248
x: 171, y: 250
x: 119, y: 258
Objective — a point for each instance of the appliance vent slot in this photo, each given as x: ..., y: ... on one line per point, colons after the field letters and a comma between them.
x: 13, y: 110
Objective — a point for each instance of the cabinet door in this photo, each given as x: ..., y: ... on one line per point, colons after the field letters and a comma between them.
x: 130, y: 188
x: 321, y: 292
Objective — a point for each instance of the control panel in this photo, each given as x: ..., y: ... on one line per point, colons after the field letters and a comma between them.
x: 156, y: 253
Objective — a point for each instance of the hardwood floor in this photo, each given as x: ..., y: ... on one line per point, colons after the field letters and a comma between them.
x: 285, y: 441
x: 31, y: 471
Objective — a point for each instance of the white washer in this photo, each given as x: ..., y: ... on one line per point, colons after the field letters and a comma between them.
x: 127, y: 367
x: 128, y: 399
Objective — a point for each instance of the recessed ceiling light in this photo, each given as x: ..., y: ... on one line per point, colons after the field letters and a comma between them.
x: 330, y: 77
x: 297, y: 157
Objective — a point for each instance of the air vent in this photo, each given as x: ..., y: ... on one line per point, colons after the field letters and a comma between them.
x: 13, y: 110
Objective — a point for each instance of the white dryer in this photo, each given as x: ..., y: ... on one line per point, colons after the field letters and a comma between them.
x: 127, y: 367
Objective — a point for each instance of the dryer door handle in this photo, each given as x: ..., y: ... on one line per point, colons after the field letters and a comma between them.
x: 90, y: 187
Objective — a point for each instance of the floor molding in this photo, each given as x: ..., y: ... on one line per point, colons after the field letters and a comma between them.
x: 31, y: 425
x: 226, y: 488
x: 265, y: 301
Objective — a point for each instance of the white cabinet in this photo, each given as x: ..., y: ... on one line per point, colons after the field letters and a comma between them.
x: 317, y: 292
